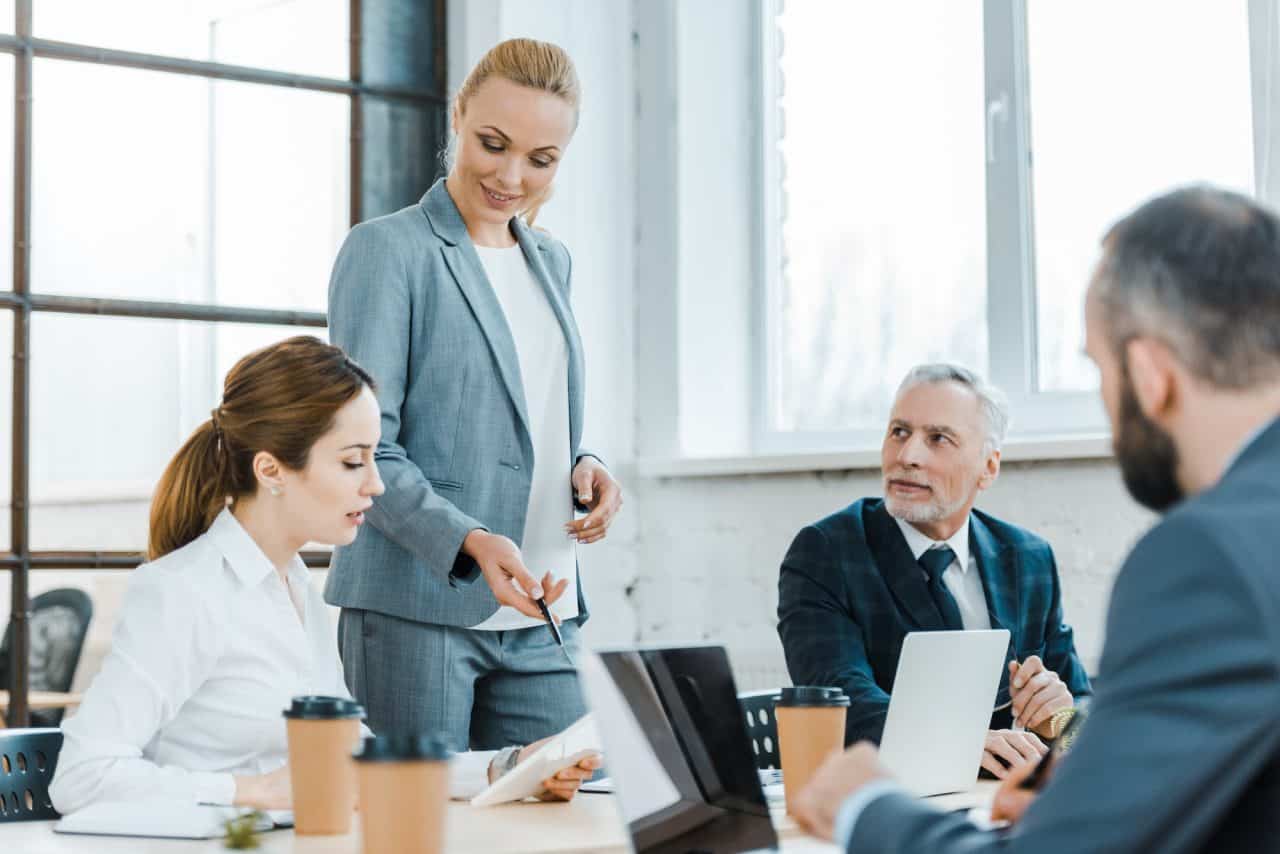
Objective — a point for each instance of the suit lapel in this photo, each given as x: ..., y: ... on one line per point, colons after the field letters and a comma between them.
x: 901, y: 571
x: 999, y: 567
x: 534, y: 250
x: 468, y: 273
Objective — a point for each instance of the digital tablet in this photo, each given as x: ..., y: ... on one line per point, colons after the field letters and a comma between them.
x: 570, y: 747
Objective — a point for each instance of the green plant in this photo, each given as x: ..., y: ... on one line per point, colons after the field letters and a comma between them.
x: 242, y: 831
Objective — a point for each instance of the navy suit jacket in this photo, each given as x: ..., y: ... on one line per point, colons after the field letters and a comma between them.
x: 850, y: 591
x: 1181, y: 751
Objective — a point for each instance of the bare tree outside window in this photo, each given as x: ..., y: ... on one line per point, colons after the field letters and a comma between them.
x: 884, y: 236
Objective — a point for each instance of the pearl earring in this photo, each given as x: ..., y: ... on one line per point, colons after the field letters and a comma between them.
x: 275, y: 490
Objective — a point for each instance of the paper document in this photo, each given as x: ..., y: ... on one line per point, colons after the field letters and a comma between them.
x: 167, y: 819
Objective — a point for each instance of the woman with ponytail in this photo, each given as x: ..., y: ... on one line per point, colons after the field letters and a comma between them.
x: 221, y: 627
x: 462, y: 312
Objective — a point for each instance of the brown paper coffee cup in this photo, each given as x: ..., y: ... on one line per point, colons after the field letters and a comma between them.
x: 323, y: 732
x: 404, y: 791
x: 810, y: 728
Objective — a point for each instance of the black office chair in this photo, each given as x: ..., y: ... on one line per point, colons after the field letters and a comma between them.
x: 762, y: 726
x: 59, y: 623
x: 27, y: 760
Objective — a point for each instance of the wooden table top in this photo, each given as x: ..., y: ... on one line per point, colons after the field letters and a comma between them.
x: 45, y: 699
x: 590, y: 823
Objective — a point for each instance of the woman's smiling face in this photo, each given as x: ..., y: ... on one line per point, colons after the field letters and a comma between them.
x: 510, y: 141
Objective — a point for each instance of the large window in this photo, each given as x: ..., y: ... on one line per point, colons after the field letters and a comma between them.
x: 184, y: 172
x: 937, y: 176
x: 1148, y: 110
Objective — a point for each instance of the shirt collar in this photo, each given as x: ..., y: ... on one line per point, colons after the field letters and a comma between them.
x: 919, y: 543
x: 245, y: 556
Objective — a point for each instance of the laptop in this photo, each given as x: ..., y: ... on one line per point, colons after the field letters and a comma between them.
x: 940, y: 709
x: 677, y: 750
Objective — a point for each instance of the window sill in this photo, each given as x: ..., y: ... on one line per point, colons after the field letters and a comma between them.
x: 1091, y: 447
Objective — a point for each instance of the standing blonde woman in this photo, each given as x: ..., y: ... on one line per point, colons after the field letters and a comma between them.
x: 461, y: 311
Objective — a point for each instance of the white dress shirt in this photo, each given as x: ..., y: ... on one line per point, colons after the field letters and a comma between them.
x: 209, y: 649
x: 962, y: 577
x: 543, y: 355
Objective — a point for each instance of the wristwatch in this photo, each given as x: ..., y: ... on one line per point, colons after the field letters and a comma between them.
x: 507, y: 758
x: 1058, y: 721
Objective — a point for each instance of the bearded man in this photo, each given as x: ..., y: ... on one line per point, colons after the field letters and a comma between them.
x: 854, y: 584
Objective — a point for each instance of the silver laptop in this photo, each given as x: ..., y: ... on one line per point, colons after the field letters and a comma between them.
x: 940, y: 709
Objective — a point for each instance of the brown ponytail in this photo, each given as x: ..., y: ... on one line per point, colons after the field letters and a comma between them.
x: 279, y: 399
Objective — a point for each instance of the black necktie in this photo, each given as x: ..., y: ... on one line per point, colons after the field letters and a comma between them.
x: 935, y: 562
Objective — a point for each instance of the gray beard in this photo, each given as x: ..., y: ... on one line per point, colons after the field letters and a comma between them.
x: 934, y: 511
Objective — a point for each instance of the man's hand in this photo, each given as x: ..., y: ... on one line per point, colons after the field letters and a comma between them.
x: 264, y: 791
x: 596, y: 489
x: 503, y: 568
x: 1037, y: 693
x: 1011, y: 800
x: 1015, y: 748
x: 840, y: 776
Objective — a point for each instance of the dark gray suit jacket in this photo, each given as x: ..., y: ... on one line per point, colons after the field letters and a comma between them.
x: 409, y: 301
x: 1181, y: 751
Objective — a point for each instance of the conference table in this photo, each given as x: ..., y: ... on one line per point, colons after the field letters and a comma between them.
x: 590, y: 823
x: 42, y: 700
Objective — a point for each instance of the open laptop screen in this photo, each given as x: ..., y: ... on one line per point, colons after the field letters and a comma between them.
x: 678, y: 750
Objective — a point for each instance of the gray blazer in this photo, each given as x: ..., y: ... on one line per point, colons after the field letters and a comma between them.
x: 410, y: 302
x: 1181, y: 751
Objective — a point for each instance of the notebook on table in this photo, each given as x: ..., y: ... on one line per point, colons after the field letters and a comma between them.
x: 162, y: 819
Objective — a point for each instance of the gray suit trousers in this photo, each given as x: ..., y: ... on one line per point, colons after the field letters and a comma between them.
x: 480, y: 690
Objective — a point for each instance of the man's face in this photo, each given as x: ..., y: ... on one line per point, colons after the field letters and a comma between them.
x: 934, y: 459
x: 1147, y: 455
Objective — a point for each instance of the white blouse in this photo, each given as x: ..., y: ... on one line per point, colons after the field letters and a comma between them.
x: 543, y: 355
x: 208, y: 652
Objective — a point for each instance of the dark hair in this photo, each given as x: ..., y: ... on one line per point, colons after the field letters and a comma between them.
x: 279, y: 399
x: 1198, y: 268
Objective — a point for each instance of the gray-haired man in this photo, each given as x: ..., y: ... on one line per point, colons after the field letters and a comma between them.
x: 854, y: 584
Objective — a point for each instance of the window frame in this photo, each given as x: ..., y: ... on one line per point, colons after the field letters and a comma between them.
x: 1039, y: 417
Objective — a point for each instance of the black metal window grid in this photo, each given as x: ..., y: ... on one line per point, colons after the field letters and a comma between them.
x: 387, y: 38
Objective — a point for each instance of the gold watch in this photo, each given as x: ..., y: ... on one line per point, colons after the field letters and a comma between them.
x: 1058, y: 721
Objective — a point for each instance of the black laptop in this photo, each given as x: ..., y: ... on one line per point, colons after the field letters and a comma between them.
x: 676, y: 711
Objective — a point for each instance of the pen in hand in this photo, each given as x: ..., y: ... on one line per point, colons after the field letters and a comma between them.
x: 555, y: 629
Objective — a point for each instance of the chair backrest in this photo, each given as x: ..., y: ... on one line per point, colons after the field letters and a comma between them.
x: 27, y: 760
x: 762, y: 726
x: 59, y: 623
